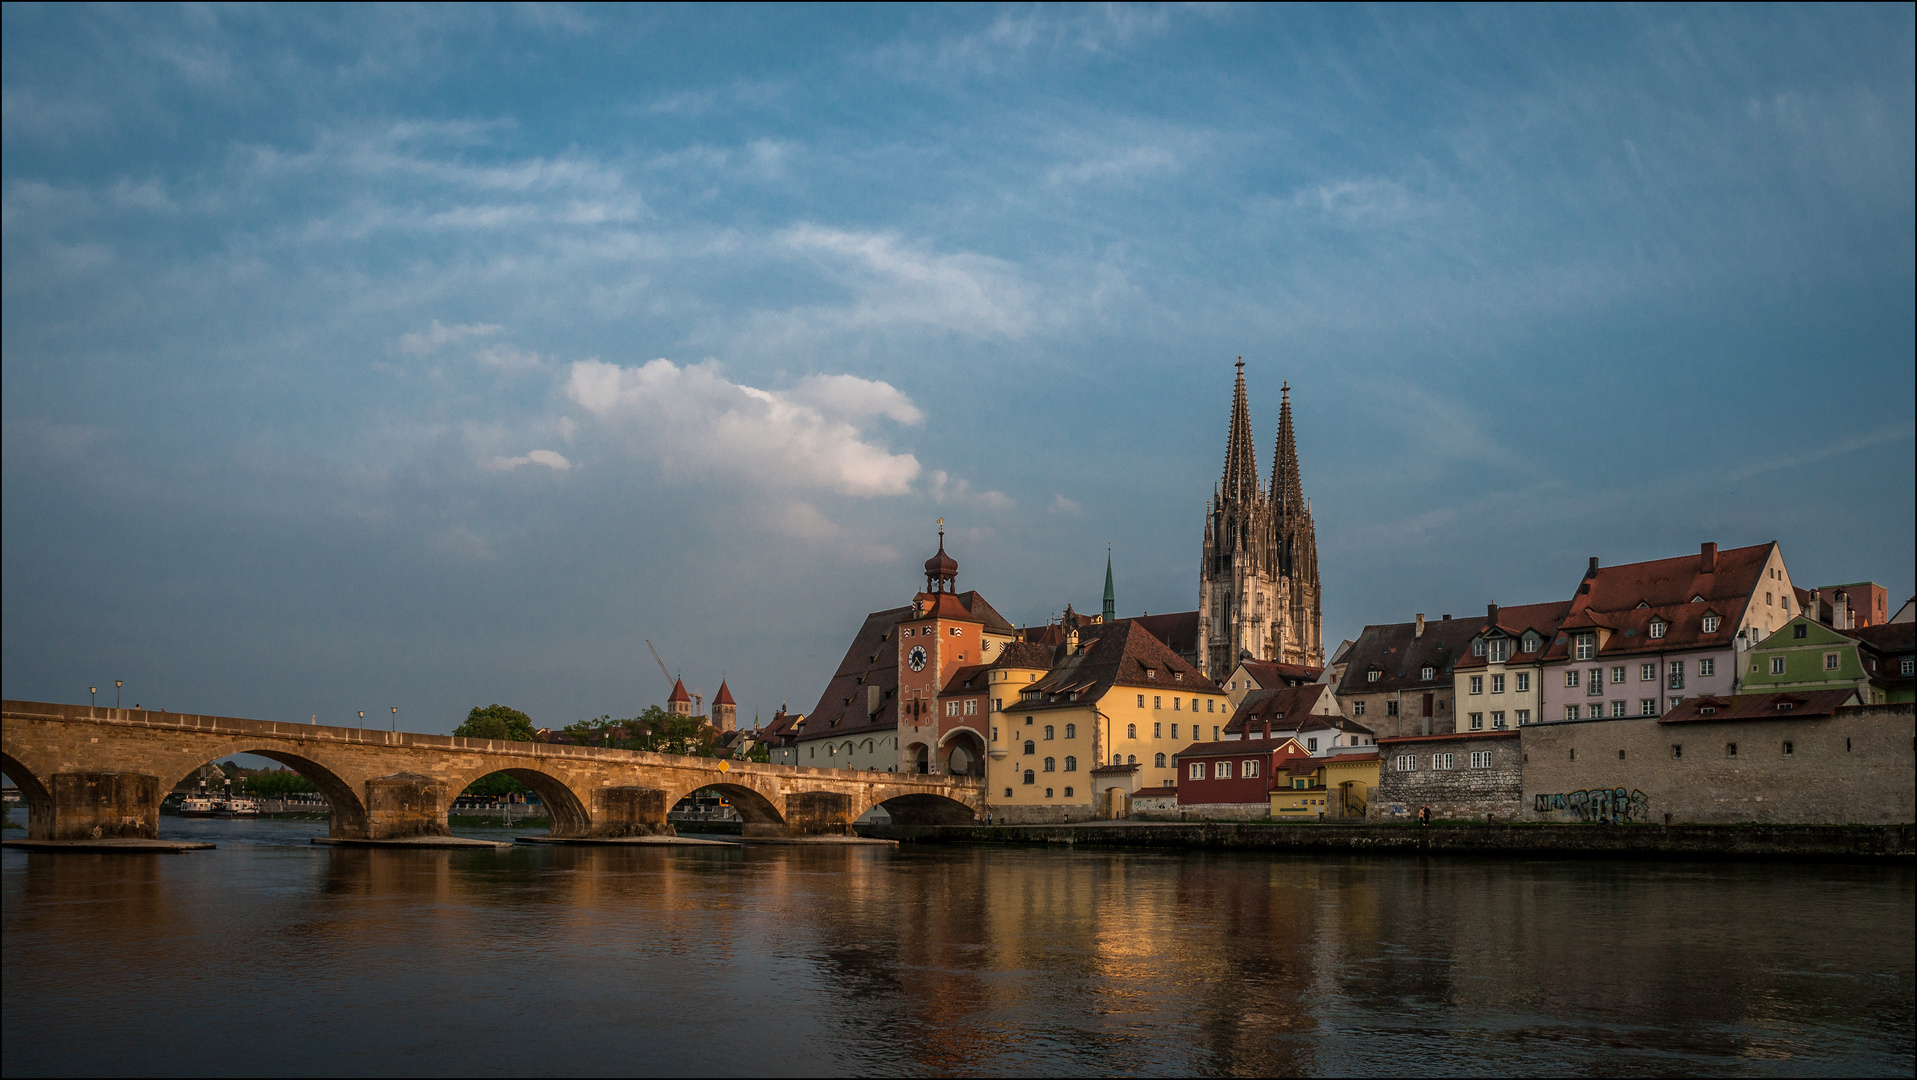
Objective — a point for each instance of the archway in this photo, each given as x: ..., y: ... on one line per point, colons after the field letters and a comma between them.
x: 565, y: 811
x: 924, y: 808
x: 753, y: 808
x: 919, y: 758
x: 34, y: 790
x: 963, y: 753
x: 346, y: 810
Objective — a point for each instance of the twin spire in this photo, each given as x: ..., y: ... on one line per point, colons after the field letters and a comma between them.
x: 1241, y: 483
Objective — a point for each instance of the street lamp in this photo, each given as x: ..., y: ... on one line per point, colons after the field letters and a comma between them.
x: 395, y: 718
x: 116, y: 692
x: 362, y: 719
x: 94, y: 693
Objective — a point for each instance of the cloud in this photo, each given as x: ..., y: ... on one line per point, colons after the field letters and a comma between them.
x: 1062, y: 505
x: 897, y: 285
x: 549, y: 458
x: 693, y: 420
x: 947, y: 489
x: 509, y: 359
x: 435, y: 337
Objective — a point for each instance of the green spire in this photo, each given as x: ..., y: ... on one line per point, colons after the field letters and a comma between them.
x: 1111, y: 599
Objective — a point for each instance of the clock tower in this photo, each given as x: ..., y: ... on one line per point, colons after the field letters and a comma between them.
x: 937, y: 637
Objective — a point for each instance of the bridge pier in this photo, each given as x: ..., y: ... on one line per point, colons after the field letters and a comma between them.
x: 402, y: 805
x: 99, y: 806
x: 810, y: 813
x: 628, y: 811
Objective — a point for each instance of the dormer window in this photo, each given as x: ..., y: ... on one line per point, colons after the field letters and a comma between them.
x: 1178, y: 676
x: 1707, y: 710
x: 1710, y: 624
x: 1500, y: 650
x: 1657, y: 627
x: 1586, y: 646
x: 1372, y: 675
x: 1151, y: 674
x: 1477, y: 646
x: 1532, y: 642
x: 1786, y: 706
x: 1428, y: 673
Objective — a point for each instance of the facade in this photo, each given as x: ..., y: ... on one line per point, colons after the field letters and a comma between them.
x: 1806, y: 654
x: 1252, y: 675
x: 1498, y: 685
x: 1349, y: 781
x: 1464, y: 776
x: 1235, y: 779
x: 1307, y: 713
x: 1399, y: 678
x: 1258, y: 594
x: 725, y: 711
x: 1099, y: 725
x: 1798, y: 758
x: 1642, y: 637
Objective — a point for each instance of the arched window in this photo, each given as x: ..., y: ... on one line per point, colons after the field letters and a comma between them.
x: 1158, y: 761
x: 1132, y: 760
x: 1048, y: 731
x: 1071, y: 763
x: 1051, y: 764
x: 1071, y: 731
x: 1131, y: 731
x: 1031, y: 777
x: 1031, y: 747
x: 1118, y: 759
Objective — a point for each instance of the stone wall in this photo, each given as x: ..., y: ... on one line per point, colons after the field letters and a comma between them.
x: 1856, y: 767
x: 1258, y: 811
x: 1458, y: 793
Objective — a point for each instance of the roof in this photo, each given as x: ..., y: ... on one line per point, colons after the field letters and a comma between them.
x: 1506, y: 733
x: 679, y: 692
x: 1025, y: 654
x: 1514, y: 622
x: 985, y: 613
x: 1399, y: 654
x: 1120, y: 653
x: 1271, y: 673
x: 1347, y: 759
x: 1293, y: 702
x: 1785, y: 706
x: 724, y: 696
x: 961, y: 680
x: 1167, y: 792
x: 1239, y: 748
x: 868, y: 662
x: 1178, y: 630
x: 1889, y: 638
x: 1630, y: 630
x: 1728, y: 577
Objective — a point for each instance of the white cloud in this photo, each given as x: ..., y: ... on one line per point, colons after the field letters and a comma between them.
x: 897, y: 285
x: 948, y: 489
x: 693, y: 420
x: 435, y: 337
x: 509, y: 359
x: 1063, y: 505
x: 549, y: 458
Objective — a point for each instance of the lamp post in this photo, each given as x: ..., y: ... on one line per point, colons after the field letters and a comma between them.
x: 396, y: 718
x: 362, y: 719
x: 93, y: 692
x: 116, y: 692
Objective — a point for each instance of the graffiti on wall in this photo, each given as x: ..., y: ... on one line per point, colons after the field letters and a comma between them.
x: 1598, y: 804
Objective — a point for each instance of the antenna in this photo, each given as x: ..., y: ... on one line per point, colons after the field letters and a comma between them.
x: 661, y: 663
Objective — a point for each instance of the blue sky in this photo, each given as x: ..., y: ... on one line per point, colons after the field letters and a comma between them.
x: 359, y: 357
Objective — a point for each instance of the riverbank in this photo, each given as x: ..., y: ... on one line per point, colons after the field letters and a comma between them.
x: 1882, y: 844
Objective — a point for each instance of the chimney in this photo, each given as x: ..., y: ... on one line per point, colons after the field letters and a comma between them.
x: 1816, y: 606
x: 1840, y: 610
x: 1491, y: 614
x: 1071, y: 640
x: 1267, y: 727
x: 1707, y: 559
x: 1419, y: 632
x: 874, y: 697
x: 1447, y: 616
x: 1592, y: 572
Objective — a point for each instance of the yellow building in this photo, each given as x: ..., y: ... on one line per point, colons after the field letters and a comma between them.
x: 1498, y: 686
x: 1337, y: 787
x: 1100, y: 723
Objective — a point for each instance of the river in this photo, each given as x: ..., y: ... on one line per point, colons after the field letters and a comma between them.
x: 273, y: 956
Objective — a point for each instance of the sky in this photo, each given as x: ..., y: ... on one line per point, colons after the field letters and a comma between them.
x: 363, y: 357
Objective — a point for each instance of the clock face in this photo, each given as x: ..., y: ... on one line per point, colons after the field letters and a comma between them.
x: 916, y: 658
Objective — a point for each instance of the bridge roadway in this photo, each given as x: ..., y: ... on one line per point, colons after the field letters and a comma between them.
x: 97, y: 773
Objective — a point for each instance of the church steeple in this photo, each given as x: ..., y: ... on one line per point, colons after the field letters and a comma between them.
x: 1240, y: 482
x: 1111, y: 598
x: 1287, y: 489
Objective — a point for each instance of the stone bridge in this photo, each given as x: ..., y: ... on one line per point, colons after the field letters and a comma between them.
x: 88, y: 772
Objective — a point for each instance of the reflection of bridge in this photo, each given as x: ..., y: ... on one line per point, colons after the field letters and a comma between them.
x: 90, y: 772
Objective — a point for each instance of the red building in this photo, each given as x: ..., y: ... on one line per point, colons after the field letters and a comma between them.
x: 1239, y: 771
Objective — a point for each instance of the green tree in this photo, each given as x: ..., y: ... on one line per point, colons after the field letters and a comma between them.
x: 496, y: 784
x: 497, y: 721
x: 655, y: 729
x: 276, y: 783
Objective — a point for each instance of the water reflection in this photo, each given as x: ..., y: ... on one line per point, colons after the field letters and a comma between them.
x: 956, y: 960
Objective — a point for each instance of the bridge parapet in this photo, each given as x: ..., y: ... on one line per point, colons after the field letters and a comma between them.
x: 84, y: 768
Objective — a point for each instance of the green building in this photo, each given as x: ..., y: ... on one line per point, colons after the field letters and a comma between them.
x: 1804, y: 654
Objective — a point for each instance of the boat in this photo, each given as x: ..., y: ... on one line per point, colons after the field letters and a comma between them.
x: 200, y: 805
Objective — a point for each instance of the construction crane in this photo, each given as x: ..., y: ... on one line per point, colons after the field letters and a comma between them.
x: 661, y: 663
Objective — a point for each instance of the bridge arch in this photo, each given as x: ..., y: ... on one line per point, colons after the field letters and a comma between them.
x: 754, y: 806
x: 566, y: 809
x: 926, y: 808
x: 34, y: 789
x: 348, y: 817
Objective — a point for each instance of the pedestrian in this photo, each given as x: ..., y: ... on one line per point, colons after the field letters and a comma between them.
x: 1424, y: 815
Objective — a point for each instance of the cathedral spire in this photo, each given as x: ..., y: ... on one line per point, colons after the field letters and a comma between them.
x: 1240, y: 484
x: 1287, y: 488
x: 1111, y: 598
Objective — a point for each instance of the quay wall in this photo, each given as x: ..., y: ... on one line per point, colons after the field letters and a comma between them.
x: 1754, y: 842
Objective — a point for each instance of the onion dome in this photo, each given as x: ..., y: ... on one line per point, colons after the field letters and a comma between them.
x: 940, y: 569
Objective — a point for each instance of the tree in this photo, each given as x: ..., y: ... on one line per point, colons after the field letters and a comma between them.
x: 497, y: 721
x: 655, y: 729
x: 277, y: 783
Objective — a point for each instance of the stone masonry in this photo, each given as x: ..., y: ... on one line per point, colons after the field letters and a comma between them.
x: 1460, y: 792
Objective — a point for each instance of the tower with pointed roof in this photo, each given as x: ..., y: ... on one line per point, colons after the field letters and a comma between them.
x: 725, y: 711
x: 1111, y: 597
x: 679, y: 703
x: 1258, y: 576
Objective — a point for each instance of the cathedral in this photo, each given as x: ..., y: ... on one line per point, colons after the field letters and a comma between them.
x: 1258, y: 579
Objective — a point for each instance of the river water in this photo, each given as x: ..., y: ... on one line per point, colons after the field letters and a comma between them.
x: 270, y: 955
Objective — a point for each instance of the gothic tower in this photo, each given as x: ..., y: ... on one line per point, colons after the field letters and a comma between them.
x: 1258, y: 578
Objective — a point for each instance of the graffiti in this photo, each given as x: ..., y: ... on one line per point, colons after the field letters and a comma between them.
x: 1597, y: 804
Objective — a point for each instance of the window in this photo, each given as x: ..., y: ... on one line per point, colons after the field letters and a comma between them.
x: 1311, y: 744
x: 1532, y: 642
x: 1570, y: 712
x: 1301, y: 784
x: 1788, y: 749
x: 1497, y: 684
x: 1391, y: 707
x: 1617, y: 674
x: 1441, y: 761
x: 1051, y: 764
x: 1048, y: 731
x: 1777, y: 665
x: 1158, y: 731
x: 1131, y: 731
x: 1480, y: 759
x: 1647, y: 706
x: 951, y: 708
x: 1477, y: 646
x: 1618, y: 708
x: 1907, y: 666
x: 1710, y: 624
x: 1157, y: 702
x: 1571, y: 677
x: 1214, y: 733
x: 1657, y: 628
x: 971, y: 706
x: 1706, y: 666
x: 1497, y: 721
x: 1477, y: 684
x: 1524, y: 716
x: 1118, y: 759
x: 1767, y: 600
x: 1524, y: 681
x: 1048, y: 793
x: 1194, y: 704
x: 1647, y: 672
x: 1676, y: 671
x: 1586, y: 646
x: 1800, y: 631
x: 1595, y: 684
x: 1194, y: 729
x: 1031, y: 777
x: 1500, y: 650
x: 1358, y: 707
x: 1031, y: 747
x: 1249, y: 769
x: 1372, y: 675
x: 1141, y: 701
x: 1477, y: 721
x: 1008, y: 791
x: 1407, y: 763
x: 994, y: 733
x: 1427, y: 673
x: 1221, y: 770
x: 1195, y: 770
x: 1830, y: 661
x: 1071, y: 731
x: 1158, y: 761
x: 1176, y: 702
x: 1730, y: 749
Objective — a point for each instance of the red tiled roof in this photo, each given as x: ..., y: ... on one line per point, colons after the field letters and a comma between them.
x: 1507, y: 732
x: 1271, y: 674
x: 724, y: 696
x: 964, y: 675
x: 1241, y: 747
x: 679, y: 692
x: 1787, y: 706
x: 1121, y: 653
x: 870, y: 661
x: 1733, y: 575
x: 1285, y: 707
x: 1631, y: 629
x: 1514, y: 621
